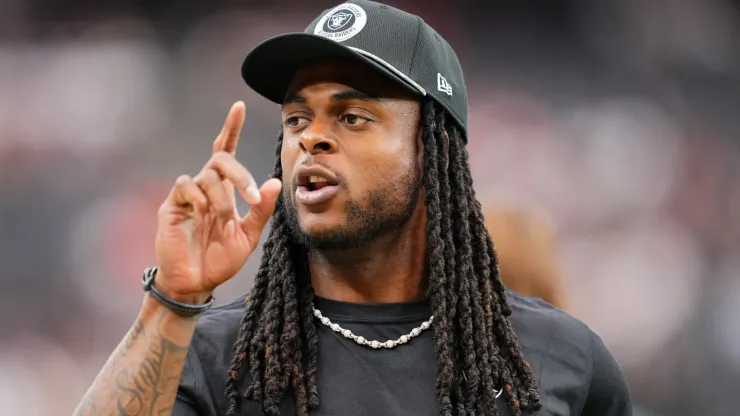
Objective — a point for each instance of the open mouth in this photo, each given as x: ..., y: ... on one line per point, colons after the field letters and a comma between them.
x: 314, y: 183
x: 315, y: 190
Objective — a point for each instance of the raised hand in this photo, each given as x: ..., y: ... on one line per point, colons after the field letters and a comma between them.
x: 202, y: 241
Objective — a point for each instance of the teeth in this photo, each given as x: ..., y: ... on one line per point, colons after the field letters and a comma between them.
x: 315, y: 179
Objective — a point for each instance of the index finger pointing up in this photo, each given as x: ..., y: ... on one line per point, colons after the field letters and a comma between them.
x: 228, y: 139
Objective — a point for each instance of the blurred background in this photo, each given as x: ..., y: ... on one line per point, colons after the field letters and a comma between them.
x: 616, y: 120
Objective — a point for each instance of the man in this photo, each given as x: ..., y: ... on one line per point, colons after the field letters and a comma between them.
x: 378, y: 291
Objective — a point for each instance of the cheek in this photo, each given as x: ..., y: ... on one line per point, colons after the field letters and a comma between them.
x: 288, y: 155
x: 396, y: 159
x: 379, y: 170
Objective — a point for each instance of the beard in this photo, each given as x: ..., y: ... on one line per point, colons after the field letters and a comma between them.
x: 386, y: 211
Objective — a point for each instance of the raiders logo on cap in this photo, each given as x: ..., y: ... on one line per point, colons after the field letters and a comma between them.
x: 341, y: 22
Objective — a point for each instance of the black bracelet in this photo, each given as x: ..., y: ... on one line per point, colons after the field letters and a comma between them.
x: 179, y: 308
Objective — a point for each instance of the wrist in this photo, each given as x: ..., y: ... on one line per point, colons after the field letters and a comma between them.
x: 159, y: 319
x: 186, y: 305
x: 188, y: 298
x: 152, y: 308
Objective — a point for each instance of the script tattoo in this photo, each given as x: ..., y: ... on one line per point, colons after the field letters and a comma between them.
x: 141, y: 377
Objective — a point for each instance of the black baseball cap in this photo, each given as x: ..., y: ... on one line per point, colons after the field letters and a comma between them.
x: 399, y: 44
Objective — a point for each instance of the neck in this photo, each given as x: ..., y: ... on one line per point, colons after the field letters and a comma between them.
x: 389, y: 269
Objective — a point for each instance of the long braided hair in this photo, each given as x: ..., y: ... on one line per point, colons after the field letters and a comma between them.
x: 477, y: 349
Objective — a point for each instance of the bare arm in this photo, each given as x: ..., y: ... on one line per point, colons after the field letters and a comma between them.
x: 201, y: 242
x: 142, y: 375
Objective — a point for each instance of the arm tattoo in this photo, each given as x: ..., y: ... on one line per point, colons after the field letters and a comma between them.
x: 142, y: 375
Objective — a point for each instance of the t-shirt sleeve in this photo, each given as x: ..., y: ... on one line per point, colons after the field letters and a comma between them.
x: 188, y: 391
x: 609, y: 393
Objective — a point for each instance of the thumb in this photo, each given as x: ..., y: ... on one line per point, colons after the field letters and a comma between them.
x: 254, y: 222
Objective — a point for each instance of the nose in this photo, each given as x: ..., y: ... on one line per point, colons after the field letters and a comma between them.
x: 317, y: 138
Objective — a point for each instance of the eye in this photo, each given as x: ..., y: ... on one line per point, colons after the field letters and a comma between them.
x: 295, y: 121
x: 353, y: 119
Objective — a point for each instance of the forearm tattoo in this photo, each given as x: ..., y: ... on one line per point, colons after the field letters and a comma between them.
x: 142, y: 375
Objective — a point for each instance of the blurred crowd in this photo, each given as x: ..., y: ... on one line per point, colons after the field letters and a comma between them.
x: 615, y: 121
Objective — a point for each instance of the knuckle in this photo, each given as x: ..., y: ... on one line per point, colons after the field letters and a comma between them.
x: 229, y: 166
x: 207, y: 176
x: 211, y: 175
x: 182, y: 180
x: 197, y: 199
x: 221, y: 158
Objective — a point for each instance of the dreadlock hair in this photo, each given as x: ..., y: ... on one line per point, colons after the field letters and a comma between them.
x: 477, y: 350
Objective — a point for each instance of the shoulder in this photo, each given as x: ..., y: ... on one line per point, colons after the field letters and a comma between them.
x: 537, y: 321
x: 563, y: 350
x: 221, y: 320
x: 546, y: 330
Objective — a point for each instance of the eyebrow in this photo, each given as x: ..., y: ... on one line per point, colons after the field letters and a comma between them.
x: 339, y: 96
x: 353, y: 95
x: 294, y: 99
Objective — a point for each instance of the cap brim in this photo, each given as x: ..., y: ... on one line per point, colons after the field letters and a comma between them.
x: 270, y: 67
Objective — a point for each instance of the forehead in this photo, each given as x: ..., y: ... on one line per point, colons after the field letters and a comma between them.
x: 351, y: 73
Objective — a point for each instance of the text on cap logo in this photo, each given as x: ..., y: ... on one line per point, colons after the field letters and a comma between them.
x: 341, y: 22
x: 443, y: 85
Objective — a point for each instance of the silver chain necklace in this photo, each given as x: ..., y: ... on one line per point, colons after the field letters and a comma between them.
x: 377, y: 344
x: 373, y: 344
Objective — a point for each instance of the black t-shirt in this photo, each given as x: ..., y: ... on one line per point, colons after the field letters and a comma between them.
x: 576, y: 373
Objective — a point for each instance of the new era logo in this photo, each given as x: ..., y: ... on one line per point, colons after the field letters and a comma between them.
x: 443, y: 85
